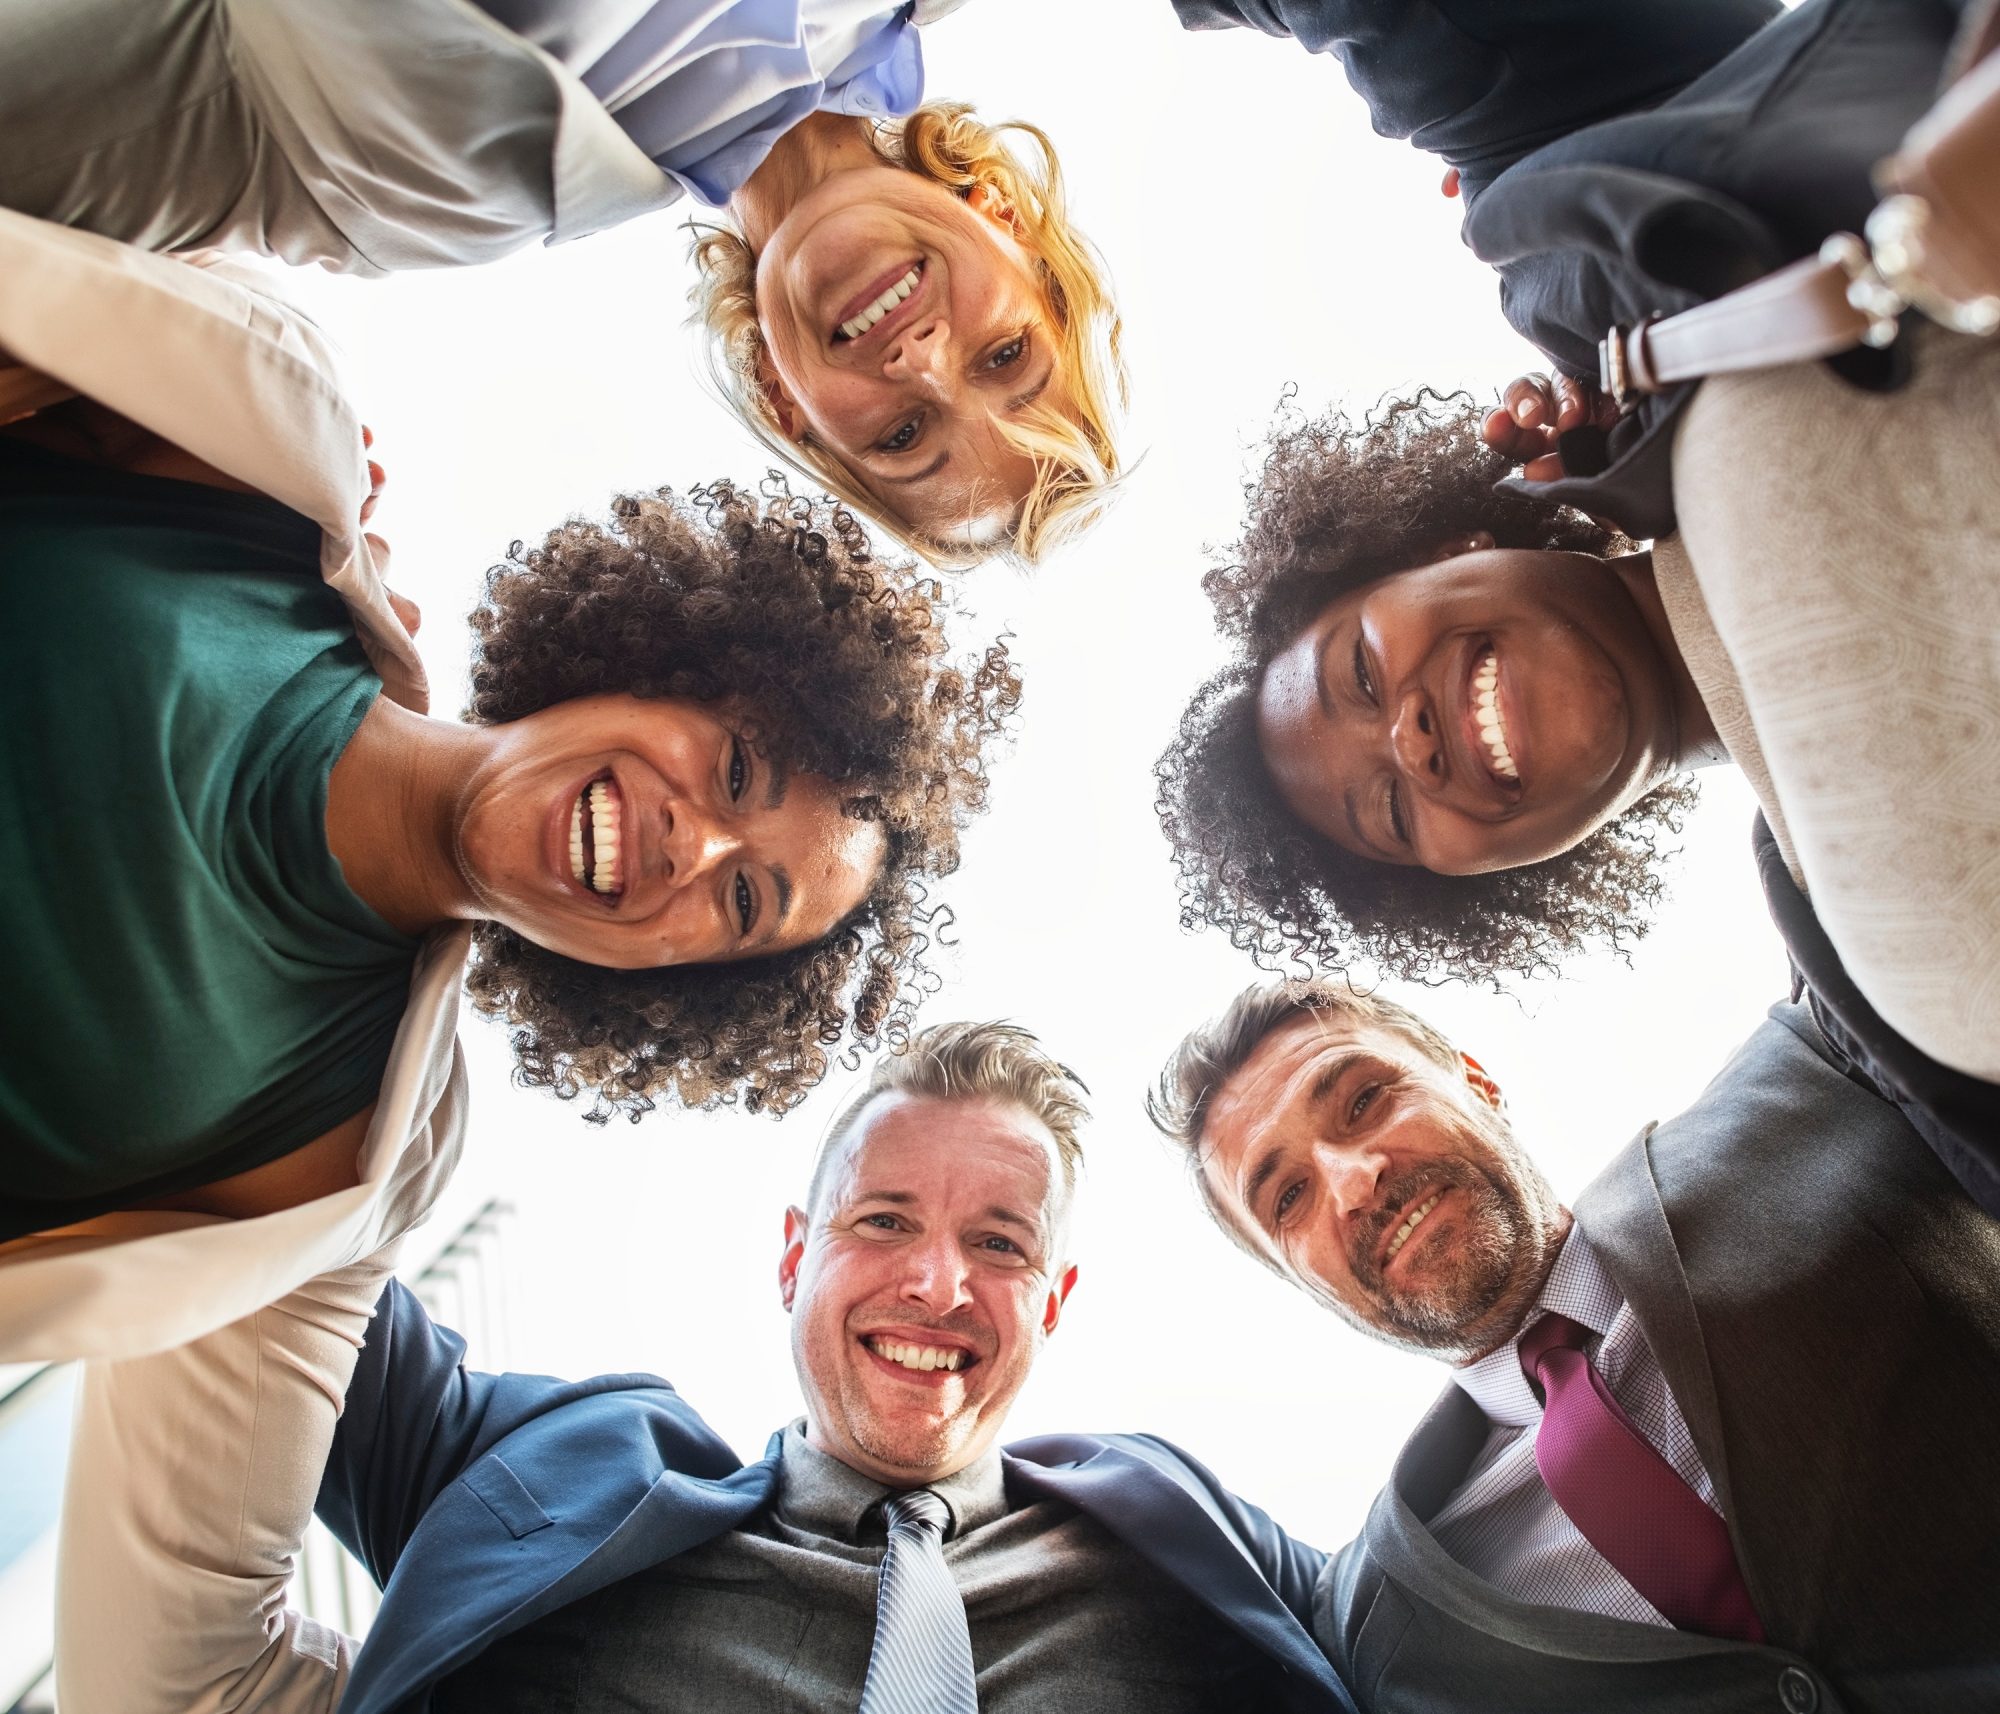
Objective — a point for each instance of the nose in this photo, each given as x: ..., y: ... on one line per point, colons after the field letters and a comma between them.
x: 695, y: 847
x: 1418, y: 743
x: 921, y: 354
x: 1349, y: 1175
x: 934, y: 1274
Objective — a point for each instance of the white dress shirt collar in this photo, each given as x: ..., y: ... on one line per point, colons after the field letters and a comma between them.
x: 1579, y: 1287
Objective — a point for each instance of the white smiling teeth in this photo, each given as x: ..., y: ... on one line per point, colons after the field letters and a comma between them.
x: 593, y: 837
x: 924, y: 1358
x: 1410, y: 1225
x: 883, y: 305
x: 603, y: 837
x: 1486, y: 710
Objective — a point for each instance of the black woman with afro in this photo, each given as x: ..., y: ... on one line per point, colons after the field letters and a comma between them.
x: 715, y: 753
x: 1456, y: 735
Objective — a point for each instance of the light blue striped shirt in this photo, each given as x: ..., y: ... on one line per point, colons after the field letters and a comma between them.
x: 706, y: 87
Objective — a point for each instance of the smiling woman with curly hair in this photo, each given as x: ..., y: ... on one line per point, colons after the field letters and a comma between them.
x: 1334, y: 791
x: 715, y: 752
x: 772, y: 612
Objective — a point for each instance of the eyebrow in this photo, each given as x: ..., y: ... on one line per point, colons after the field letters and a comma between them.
x: 929, y: 470
x: 1018, y: 403
x: 1024, y: 400
x: 1273, y: 1158
x: 1007, y: 1217
x: 1320, y: 688
x: 783, y: 882
x: 778, y: 781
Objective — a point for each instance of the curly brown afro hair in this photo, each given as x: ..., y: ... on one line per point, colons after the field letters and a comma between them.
x: 775, y: 603
x: 1336, y: 505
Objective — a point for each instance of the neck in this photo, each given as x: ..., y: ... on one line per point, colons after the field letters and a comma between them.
x: 811, y: 152
x: 1695, y: 744
x: 1518, y: 1307
x: 391, y: 812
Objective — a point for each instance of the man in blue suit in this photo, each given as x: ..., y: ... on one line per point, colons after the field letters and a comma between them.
x: 588, y: 1545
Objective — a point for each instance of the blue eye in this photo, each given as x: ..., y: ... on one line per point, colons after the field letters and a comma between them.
x: 1363, y: 1102
x: 1286, y: 1198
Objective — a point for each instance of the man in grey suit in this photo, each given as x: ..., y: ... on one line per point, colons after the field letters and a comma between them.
x: 1719, y: 1438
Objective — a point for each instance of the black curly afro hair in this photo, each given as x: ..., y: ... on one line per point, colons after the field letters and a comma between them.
x: 1337, y: 504
x: 777, y: 604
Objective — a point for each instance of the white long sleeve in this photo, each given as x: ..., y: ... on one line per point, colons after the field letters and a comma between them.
x: 191, y: 1482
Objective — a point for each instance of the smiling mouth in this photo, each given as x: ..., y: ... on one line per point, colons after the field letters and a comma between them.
x: 1411, y: 1222
x: 923, y: 1359
x: 871, y: 313
x: 595, y: 822
x: 1487, y: 722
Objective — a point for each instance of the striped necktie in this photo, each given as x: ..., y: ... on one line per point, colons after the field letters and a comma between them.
x: 1629, y: 1502
x: 922, y: 1659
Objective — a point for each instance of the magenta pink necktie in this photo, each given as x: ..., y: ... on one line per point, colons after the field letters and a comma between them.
x: 1628, y: 1501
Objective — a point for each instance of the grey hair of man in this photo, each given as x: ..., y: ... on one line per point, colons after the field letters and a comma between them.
x: 995, y: 1061
x: 1214, y: 1052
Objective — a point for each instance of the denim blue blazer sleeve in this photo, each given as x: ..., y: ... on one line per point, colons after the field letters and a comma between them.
x: 417, y: 1419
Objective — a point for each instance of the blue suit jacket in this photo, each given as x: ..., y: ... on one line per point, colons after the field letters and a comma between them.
x: 481, y: 1502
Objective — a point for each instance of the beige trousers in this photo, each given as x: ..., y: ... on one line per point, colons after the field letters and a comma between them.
x: 1847, y: 551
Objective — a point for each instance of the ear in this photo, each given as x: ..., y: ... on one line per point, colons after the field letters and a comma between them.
x: 1473, y: 541
x: 783, y: 409
x: 1058, y: 1295
x: 1482, y: 1085
x: 792, y: 1255
x: 985, y: 200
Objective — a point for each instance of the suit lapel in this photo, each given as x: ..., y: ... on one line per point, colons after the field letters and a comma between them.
x: 1163, y: 1522
x: 1397, y: 1535
x: 1626, y: 1222
x: 413, y: 1645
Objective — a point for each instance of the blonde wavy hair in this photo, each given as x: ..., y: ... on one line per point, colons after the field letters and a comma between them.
x: 1077, y: 462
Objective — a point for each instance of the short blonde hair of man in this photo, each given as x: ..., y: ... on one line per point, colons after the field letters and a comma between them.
x: 1077, y: 464
x: 973, y: 1062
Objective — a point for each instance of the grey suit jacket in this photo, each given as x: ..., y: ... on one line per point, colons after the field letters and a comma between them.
x: 1825, y: 1301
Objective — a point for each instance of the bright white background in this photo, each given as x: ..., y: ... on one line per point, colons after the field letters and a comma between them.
x: 1262, y: 238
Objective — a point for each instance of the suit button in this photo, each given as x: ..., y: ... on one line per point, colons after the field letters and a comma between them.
x: 1797, y: 1694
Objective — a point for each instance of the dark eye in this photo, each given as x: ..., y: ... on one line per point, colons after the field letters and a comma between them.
x: 739, y: 769
x: 1363, y: 1102
x: 1286, y: 1198
x: 1362, y: 681
x: 902, y: 438
x: 1006, y: 1245
x: 882, y: 1222
x: 746, y: 903
x: 1010, y: 353
x: 1397, y: 825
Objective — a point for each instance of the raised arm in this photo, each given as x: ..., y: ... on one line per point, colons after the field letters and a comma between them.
x: 1483, y: 82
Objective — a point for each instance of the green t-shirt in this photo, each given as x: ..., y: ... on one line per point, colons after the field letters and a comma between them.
x: 192, y: 989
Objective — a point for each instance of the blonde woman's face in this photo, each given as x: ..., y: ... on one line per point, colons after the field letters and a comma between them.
x: 902, y: 325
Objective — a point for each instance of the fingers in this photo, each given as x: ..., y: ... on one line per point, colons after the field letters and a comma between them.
x: 376, y: 478
x: 406, y: 610
x: 1450, y: 185
x: 1514, y: 442
x: 1530, y: 400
